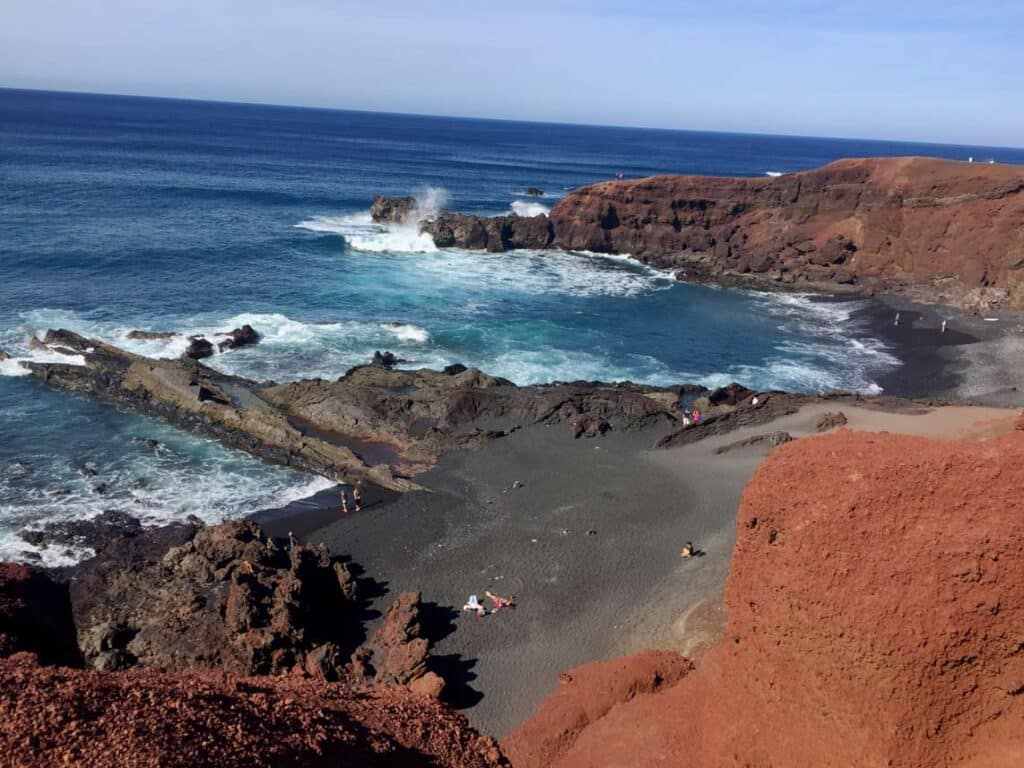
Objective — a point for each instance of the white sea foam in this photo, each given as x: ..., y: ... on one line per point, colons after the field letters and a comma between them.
x: 407, y: 332
x: 158, y: 487
x: 361, y: 233
x: 529, y: 208
x: 19, y: 352
x: 773, y: 173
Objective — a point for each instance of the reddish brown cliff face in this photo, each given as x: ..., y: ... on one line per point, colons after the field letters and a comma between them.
x: 883, y: 222
x: 875, y: 618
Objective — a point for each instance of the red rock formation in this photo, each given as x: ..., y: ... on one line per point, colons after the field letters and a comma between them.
x: 875, y: 618
x: 54, y: 716
x: 586, y: 695
x: 885, y: 222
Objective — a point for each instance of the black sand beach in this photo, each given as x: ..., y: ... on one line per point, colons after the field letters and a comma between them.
x: 587, y: 533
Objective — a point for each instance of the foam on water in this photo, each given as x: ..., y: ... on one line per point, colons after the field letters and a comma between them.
x: 184, y: 475
x: 361, y: 233
x: 529, y: 208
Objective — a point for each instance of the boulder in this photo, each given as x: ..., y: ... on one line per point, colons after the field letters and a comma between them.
x: 240, y: 337
x: 392, y: 210
x: 534, y: 192
x: 386, y: 359
x: 198, y: 348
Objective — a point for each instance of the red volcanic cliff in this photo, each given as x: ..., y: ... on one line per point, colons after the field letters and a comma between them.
x: 890, y: 223
x: 876, y: 617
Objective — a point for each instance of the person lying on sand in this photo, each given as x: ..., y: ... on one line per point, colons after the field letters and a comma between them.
x: 501, y: 602
x: 473, y: 604
x: 689, y: 550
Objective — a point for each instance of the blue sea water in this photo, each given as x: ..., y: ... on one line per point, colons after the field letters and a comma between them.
x: 119, y: 213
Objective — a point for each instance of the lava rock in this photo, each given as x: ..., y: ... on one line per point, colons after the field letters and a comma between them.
x: 198, y: 348
x: 240, y: 337
x: 392, y: 210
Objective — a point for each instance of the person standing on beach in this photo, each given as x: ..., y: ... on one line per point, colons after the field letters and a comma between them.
x: 357, y: 497
x: 943, y: 326
x: 344, y: 501
x: 896, y: 320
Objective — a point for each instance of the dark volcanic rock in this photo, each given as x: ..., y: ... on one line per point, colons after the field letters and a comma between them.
x: 189, y: 395
x: 35, y: 616
x: 226, y: 598
x: 198, y: 348
x: 386, y: 359
x: 534, y: 192
x: 731, y: 394
x: 94, y: 533
x: 392, y: 210
x: 151, y: 335
x: 240, y: 337
x: 496, y: 234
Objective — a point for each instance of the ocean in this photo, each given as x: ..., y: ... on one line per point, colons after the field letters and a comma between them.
x: 119, y: 213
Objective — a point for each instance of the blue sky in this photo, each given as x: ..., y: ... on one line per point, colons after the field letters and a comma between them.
x: 948, y: 72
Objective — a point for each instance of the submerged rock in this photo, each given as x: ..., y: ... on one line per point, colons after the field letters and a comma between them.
x: 534, y: 192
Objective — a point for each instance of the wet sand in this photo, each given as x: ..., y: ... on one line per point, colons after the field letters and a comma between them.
x: 978, y: 361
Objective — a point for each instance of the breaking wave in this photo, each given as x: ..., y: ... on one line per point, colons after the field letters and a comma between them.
x: 529, y: 208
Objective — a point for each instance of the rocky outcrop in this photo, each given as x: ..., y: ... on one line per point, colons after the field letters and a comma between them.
x: 421, y: 415
x: 226, y: 598
x: 945, y: 227
x: 872, y: 620
x: 198, y: 348
x: 534, y: 192
x: 939, y: 230
x: 392, y: 210
x: 240, y: 337
x: 495, y: 233
x: 56, y: 716
x: 190, y: 395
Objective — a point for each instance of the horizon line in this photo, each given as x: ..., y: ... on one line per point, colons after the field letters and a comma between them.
x: 612, y: 126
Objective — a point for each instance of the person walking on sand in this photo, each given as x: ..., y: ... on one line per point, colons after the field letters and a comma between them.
x: 344, y: 501
x: 688, y: 550
x: 896, y: 320
x: 357, y: 497
x: 943, y: 326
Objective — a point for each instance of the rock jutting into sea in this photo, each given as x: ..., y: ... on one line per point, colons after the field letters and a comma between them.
x: 937, y: 230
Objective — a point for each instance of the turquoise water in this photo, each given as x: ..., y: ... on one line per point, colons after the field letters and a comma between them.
x: 120, y: 213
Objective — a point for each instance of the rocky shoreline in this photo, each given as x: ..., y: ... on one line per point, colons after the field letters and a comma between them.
x: 939, y: 231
